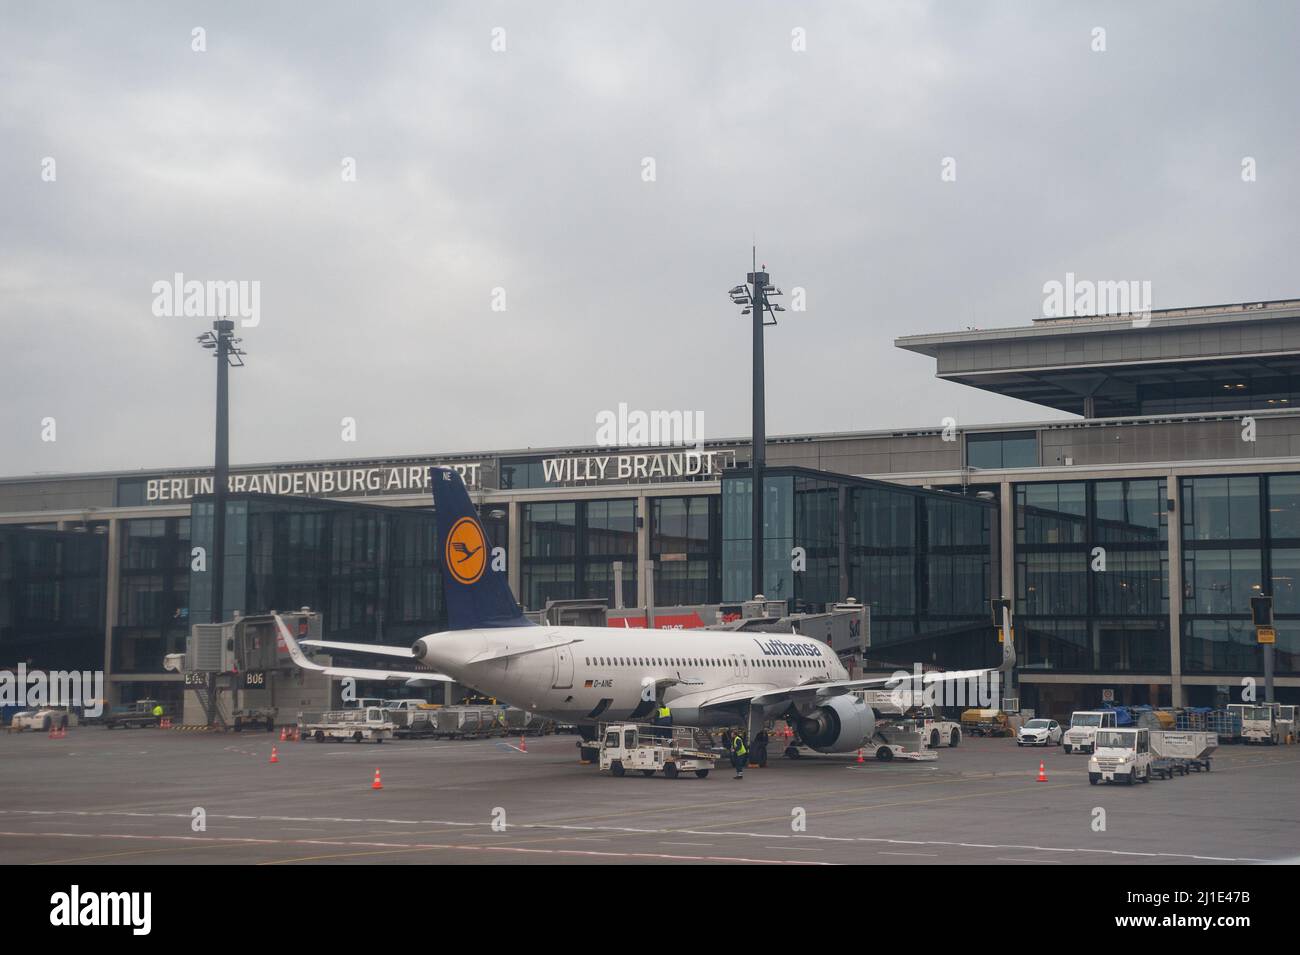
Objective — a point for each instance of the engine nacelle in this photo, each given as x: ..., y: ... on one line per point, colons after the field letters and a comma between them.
x: 838, y: 726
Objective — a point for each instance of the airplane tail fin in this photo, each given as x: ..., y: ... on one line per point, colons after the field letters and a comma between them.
x: 474, y: 582
x: 1008, y: 656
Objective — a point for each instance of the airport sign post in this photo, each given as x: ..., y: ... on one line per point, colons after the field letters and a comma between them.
x: 1261, y: 615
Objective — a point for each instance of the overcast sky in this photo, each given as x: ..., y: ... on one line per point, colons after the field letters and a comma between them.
x: 523, y: 170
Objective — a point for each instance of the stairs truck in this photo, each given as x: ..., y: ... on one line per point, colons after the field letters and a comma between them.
x: 1084, y: 726
x: 634, y: 747
x: 356, y: 723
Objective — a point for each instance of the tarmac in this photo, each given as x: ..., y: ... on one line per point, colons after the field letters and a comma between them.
x: 171, y: 797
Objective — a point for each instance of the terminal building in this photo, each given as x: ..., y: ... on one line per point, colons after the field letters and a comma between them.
x: 1130, y: 537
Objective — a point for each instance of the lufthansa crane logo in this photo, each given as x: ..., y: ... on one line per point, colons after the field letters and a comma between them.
x: 466, y: 551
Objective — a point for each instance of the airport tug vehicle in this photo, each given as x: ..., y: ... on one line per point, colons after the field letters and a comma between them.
x: 1136, y: 755
x: 635, y: 747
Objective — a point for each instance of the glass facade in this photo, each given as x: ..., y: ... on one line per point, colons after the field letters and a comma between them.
x: 922, y: 560
x: 153, y: 593
x: 1241, y: 538
x: 1235, y: 393
x: 369, y: 570
x: 52, y: 599
x: 685, y: 545
x: 1004, y: 449
x: 1092, y: 577
x: 569, y: 549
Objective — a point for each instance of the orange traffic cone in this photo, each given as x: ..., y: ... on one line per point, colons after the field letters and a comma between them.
x: 283, y: 733
x: 860, y: 759
x: 376, y: 784
x: 275, y: 756
x: 523, y: 746
x: 1042, y: 772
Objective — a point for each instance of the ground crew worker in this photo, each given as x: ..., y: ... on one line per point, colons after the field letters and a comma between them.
x: 664, y: 720
x: 739, y: 754
x: 158, y: 710
x: 759, y: 757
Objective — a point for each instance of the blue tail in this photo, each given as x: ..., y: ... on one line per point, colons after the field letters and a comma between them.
x: 473, y: 577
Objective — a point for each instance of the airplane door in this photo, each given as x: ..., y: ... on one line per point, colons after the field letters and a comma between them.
x: 744, y: 666
x: 735, y: 666
x: 563, y: 668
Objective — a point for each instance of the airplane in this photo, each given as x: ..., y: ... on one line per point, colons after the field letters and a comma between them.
x: 586, y: 675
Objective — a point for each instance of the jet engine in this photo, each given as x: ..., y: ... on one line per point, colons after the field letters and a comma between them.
x: 838, y: 726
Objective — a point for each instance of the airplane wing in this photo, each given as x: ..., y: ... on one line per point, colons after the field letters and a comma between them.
x: 494, y: 653
x: 410, y: 677
x: 718, y: 698
x: 376, y: 648
x: 805, y: 691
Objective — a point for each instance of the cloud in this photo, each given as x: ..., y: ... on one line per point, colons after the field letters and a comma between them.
x: 522, y: 170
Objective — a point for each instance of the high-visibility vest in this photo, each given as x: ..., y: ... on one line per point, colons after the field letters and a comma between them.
x: 665, y: 713
x: 738, y: 745
x: 157, y: 711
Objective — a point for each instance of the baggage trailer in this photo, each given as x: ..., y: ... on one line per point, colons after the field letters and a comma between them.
x: 470, y: 722
x: 986, y: 722
x: 637, y: 747
x: 355, y: 723
x: 1225, y: 724
x: 1191, y: 750
x: 412, y: 719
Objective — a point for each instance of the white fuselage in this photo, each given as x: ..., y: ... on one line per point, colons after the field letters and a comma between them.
x: 604, y: 675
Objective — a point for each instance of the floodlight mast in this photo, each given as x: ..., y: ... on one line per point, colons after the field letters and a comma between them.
x: 755, y: 298
x: 221, y: 341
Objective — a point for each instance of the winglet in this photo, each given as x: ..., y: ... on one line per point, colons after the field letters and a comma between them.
x: 290, y: 644
x: 1008, y: 654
